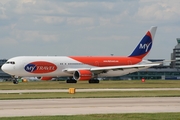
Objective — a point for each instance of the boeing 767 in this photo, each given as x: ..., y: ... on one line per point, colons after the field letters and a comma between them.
x: 82, y: 68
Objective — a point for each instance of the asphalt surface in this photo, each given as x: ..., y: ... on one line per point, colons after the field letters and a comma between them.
x: 84, y: 90
x: 46, y: 107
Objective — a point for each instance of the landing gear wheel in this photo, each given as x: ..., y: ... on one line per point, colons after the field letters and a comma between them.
x: 93, y: 81
x: 71, y: 80
x: 15, y: 81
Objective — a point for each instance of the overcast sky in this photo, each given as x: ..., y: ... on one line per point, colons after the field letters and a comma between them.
x: 86, y: 27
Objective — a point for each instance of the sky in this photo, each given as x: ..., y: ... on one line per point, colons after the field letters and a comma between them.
x: 86, y: 27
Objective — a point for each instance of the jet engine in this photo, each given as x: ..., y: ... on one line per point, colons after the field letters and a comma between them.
x: 82, y: 75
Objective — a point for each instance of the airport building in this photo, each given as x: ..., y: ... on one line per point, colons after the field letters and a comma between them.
x: 176, y: 55
x: 171, y: 71
x: 164, y: 73
x: 2, y: 74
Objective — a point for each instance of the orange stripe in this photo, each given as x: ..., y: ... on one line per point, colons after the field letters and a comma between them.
x: 106, y: 60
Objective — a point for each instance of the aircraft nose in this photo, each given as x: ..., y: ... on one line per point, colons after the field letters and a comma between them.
x: 6, y: 68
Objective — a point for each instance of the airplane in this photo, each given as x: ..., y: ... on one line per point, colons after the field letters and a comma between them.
x: 82, y: 68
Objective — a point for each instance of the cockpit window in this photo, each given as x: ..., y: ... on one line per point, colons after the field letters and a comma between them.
x: 10, y: 62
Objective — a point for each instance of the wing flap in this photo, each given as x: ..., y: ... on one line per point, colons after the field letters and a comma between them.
x: 124, y: 67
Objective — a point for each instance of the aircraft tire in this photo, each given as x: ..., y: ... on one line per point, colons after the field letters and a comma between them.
x: 93, y: 81
x: 71, y: 81
x: 97, y: 81
x: 15, y: 81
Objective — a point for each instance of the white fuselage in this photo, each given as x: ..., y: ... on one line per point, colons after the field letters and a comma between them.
x: 22, y: 66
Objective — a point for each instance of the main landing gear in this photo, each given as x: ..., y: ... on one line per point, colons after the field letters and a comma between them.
x: 71, y: 80
x: 93, y: 80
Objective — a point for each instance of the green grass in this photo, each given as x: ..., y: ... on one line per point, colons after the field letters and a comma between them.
x: 85, y: 84
x: 129, y: 116
x: 108, y: 94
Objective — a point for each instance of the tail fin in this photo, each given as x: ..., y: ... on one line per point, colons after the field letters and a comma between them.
x: 145, y: 44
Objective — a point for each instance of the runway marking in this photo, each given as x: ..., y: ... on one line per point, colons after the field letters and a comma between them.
x: 86, y: 90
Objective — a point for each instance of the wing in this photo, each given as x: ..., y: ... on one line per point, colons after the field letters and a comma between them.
x: 99, y: 70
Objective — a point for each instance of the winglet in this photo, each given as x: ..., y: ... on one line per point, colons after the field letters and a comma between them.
x: 145, y: 44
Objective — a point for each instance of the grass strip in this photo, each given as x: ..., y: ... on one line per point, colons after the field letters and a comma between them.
x: 128, y: 116
x: 86, y: 85
x: 107, y: 94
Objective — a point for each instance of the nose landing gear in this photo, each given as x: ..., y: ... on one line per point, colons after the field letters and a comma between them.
x: 15, y: 80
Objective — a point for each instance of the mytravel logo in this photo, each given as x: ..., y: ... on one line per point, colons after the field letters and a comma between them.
x: 146, y: 47
x: 40, y: 67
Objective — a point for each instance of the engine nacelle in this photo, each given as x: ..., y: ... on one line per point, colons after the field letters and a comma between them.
x: 82, y: 75
x: 45, y: 78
